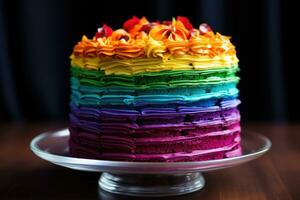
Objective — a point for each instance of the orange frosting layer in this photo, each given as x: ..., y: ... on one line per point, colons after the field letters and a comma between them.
x: 154, y: 40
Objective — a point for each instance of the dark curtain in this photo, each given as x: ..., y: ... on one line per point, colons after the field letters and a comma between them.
x: 37, y: 37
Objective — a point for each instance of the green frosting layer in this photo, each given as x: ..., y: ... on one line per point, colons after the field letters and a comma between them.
x: 154, y: 80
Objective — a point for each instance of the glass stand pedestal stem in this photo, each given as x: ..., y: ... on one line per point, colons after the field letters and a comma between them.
x: 151, y: 184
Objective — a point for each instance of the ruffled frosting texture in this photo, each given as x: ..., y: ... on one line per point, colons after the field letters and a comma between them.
x: 144, y: 37
x: 155, y: 91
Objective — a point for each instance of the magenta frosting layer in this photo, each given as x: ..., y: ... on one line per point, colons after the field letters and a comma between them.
x: 197, y: 155
x: 181, y: 143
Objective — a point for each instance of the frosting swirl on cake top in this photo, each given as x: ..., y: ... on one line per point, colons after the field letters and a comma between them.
x: 140, y: 38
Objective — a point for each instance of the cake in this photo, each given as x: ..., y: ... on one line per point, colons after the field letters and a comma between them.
x: 154, y: 91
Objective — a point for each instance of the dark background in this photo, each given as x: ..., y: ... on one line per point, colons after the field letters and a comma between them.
x: 37, y: 37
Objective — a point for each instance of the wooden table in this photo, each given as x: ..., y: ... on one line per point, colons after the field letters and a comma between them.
x: 276, y: 175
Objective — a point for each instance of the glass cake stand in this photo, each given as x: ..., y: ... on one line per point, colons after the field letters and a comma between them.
x: 144, y: 178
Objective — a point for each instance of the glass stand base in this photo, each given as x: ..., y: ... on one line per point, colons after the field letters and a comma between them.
x: 141, y: 178
x: 151, y: 184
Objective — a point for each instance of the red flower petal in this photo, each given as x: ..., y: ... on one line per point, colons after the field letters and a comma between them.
x: 107, y: 30
x: 185, y: 22
x: 204, y: 28
x: 104, y: 31
x: 130, y: 23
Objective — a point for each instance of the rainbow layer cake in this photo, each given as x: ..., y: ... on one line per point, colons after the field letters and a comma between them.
x: 155, y: 91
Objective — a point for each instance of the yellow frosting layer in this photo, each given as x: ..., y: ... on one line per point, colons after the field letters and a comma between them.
x: 140, y: 65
